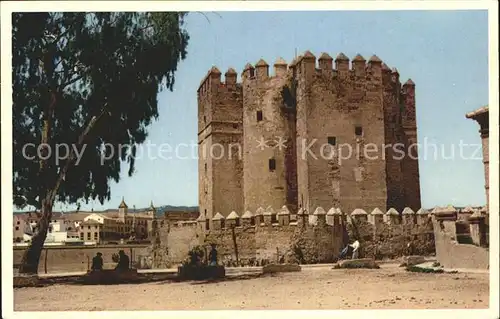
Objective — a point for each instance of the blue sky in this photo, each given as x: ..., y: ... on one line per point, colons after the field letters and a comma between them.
x: 444, y: 52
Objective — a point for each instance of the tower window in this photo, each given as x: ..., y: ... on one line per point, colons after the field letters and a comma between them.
x: 204, y: 118
x: 205, y: 167
x: 259, y: 116
x: 272, y: 164
x: 332, y: 140
x: 358, y: 130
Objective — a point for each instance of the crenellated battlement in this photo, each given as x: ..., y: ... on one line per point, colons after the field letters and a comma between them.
x: 213, y: 82
x: 359, y: 68
x: 269, y: 217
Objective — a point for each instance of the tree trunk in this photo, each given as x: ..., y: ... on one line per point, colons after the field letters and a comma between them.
x: 31, y: 257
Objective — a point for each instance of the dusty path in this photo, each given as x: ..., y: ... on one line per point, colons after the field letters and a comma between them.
x: 321, y: 288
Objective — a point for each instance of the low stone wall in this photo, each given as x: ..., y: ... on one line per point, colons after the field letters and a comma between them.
x: 267, y: 237
x: 382, y: 241
x: 262, y: 243
x: 73, y: 259
x: 450, y: 254
x: 181, y: 237
x: 461, y: 242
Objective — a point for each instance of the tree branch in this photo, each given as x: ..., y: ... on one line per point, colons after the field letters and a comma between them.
x: 62, y: 173
x: 64, y: 85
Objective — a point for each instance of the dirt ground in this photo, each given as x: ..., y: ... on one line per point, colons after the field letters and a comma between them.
x: 316, y: 288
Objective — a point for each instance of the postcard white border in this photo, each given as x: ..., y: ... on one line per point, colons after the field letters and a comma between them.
x: 6, y: 133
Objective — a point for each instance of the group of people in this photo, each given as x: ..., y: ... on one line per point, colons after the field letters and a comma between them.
x: 123, y: 262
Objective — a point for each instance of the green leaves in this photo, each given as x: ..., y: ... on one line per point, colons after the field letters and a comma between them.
x: 91, y: 63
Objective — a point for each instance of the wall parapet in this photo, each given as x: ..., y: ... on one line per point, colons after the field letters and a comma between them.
x: 283, y: 217
x: 383, y: 234
x: 358, y: 68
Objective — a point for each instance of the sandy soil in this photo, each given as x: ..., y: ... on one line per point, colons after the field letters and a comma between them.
x: 316, y: 288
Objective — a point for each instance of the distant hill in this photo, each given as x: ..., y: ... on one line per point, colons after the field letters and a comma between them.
x: 168, y: 208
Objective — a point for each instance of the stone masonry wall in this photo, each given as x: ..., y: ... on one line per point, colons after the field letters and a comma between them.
x: 267, y: 236
x: 390, y: 238
x: 220, y: 133
x: 411, y: 174
x: 462, y: 238
x: 263, y: 119
x: 393, y: 135
x: 347, y: 105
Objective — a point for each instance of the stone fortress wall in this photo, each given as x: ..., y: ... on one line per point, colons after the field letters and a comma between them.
x: 458, y: 237
x: 267, y: 235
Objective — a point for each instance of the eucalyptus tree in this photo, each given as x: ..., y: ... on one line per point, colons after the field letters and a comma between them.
x: 83, y: 81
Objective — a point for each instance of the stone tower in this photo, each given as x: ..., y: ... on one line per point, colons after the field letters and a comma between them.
x: 411, y: 175
x: 269, y: 171
x: 122, y: 211
x: 220, y: 133
x: 340, y: 111
x: 311, y: 135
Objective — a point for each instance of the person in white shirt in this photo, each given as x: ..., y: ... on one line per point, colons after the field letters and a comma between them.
x: 355, y: 252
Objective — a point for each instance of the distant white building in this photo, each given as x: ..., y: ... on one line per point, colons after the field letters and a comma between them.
x: 56, y: 237
x: 95, y: 217
x: 57, y: 232
x: 26, y: 237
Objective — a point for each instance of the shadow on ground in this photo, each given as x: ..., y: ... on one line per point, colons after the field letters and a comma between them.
x: 233, y: 278
x: 158, y: 279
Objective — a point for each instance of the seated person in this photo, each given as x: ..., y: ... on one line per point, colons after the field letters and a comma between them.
x: 123, y: 262
x: 97, y: 262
